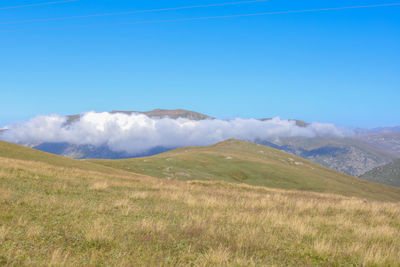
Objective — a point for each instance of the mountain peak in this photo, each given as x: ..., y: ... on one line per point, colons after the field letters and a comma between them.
x: 155, y: 113
x: 171, y: 113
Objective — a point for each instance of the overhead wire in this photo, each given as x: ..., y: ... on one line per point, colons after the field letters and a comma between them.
x: 217, y: 17
x: 134, y: 12
x: 253, y: 14
x: 38, y: 4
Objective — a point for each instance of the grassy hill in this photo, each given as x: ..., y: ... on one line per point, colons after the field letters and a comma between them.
x: 243, y: 162
x: 387, y: 174
x: 66, y: 216
x: 13, y: 151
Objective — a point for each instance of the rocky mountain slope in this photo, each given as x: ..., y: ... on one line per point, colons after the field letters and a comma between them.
x: 386, y: 141
x: 347, y: 155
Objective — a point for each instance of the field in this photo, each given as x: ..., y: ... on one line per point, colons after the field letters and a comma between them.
x: 63, y: 216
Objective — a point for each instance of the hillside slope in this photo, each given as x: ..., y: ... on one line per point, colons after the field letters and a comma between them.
x: 56, y: 216
x: 244, y: 162
x: 387, y: 174
x: 13, y: 151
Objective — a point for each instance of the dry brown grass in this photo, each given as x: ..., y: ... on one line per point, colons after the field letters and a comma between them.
x: 58, y: 258
x: 59, y: 216
x: 99, y: 230
x: 100, y: 186
x: 3, y: 232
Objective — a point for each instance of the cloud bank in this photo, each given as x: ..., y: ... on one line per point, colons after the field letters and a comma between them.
x: 137, y: 133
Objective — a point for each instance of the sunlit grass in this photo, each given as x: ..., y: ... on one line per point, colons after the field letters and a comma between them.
x: 62, y: 216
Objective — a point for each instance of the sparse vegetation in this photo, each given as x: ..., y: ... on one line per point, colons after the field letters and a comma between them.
x: 58, y: 216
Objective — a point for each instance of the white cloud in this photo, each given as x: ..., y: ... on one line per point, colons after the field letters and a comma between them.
x: 138, y: 133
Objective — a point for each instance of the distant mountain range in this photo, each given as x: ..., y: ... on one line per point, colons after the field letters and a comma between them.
x: 379, y: 130
x: 348, y: 155
x: 385, y: 140
x: 93, y: 152
x: 354, y: 155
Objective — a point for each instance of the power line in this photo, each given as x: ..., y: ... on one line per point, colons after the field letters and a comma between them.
x: 217, y: 17
x: 39, y: 4
x: 251, y: 14
x: 134, y: 12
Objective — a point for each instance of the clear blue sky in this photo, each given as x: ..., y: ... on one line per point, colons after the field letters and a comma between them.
x: 338, y: 66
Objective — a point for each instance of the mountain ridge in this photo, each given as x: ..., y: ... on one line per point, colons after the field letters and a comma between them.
x: 155, y: 113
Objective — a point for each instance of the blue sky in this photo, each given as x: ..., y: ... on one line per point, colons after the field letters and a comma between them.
x: 338, y: 66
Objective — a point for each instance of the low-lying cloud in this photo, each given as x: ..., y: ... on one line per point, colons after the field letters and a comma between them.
x: 137, y: 133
